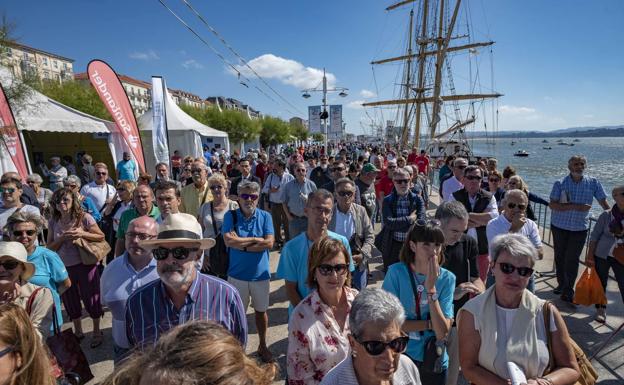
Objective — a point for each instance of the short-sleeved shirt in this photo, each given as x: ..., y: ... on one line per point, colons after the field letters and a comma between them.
x: 126, y: 170
x: 397, y: 282
x: 423, y: 164
x: 131, y: 214
x: 205, y: 218
x: 5, y: 213
x: 449, y: 187
x: 461, y: 260
x: 569, y: 191
x: 193, y: 198
x: 295, y: 194
x: 501, y: 225
x: 293, y: 262
x: 119, y: 280
x: 150, y: 312
x: 249, y: 265
x: 98, y: 193
x: 69, y: 253
x: 49, y: 272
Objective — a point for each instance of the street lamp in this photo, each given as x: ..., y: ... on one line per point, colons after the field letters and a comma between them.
x: 324, y: 114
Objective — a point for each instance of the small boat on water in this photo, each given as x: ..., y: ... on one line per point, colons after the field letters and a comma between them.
x: 521, y: 153
x: 576, y: 140
x: 560, y: 141
x: 544, y: 141
x: 513, y: 143
x: 570, y: 144
x: 547, y: 148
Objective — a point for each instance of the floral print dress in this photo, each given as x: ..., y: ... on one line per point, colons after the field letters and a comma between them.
x: 315, y: 342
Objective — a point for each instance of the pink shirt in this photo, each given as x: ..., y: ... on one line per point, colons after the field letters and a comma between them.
x: 68, y: 251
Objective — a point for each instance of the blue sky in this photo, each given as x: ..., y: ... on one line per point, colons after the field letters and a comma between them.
x: 558, y: 63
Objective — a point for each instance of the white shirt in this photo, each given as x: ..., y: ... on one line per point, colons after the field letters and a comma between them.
x: 272, y: 181
x: 97, y: 193
x: 501, y: 225
x: 491, y: 209
x: 345, y: 225
x: 449, y: 187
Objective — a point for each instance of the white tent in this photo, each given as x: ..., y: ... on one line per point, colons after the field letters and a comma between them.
x: 185, y: 134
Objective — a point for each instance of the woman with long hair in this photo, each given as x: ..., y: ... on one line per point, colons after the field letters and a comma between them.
x: 23, y: 358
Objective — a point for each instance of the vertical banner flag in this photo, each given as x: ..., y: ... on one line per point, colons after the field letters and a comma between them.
x: 335, y: 119
x: 10, y: 138
x: 112, y: 93
x: 314, y: 119
x: 159, y: 116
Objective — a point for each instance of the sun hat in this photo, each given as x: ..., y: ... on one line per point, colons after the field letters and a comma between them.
x: 179, y: 228
x: 18, y: 252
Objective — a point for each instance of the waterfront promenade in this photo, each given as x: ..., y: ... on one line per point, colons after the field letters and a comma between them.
x: 579, y: 319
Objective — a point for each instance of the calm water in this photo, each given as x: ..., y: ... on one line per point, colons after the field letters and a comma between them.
x: 543, y: 167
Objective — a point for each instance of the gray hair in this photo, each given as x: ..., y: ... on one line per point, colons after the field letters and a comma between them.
x: 22, y: 216
x: 449, y: 210
x: 577, y: 157
x: 35, y: 178
x: 458, y: 160
x: 72, y: 179
x: 247, y: 185
x: 319, y: 195
x: 515, y: 244
x: 402, y: 171
x: 161, y: 164
x: 375, y: 306
x: 515, y: 192
x: 342, y: 181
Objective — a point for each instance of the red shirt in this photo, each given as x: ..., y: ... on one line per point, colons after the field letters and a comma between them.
x: 261, y: 171
x: 411, y: 158
x: 423, y: 164
x: 384, y: 187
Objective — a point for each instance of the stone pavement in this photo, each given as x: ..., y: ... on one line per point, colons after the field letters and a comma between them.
x: 586, y: 332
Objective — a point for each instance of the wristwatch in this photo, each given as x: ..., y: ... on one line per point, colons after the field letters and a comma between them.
x: 434, y: 297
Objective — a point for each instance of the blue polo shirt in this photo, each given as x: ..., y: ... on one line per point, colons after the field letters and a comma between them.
x: 581, y: 192
x: 126, y: 170
x: 248, y: 265
x: 49, y: 272
x: 293, y: 262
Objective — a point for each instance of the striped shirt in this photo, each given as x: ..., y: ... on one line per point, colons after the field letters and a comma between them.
x: 402, y: 210
x: 151, y: 313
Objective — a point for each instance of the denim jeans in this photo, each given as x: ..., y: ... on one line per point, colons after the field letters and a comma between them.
x: 602, y: 268
x: 119, y: 354
x: 359, y: 279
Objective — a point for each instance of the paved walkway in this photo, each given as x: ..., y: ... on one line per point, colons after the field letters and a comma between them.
x: 588, y: 334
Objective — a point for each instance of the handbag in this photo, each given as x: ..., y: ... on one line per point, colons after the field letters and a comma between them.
x: 219, y: 256
x: 589, y: 376
x: 91, y: 252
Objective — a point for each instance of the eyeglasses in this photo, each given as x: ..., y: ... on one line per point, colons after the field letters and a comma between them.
x: 494, y: 180
x: 6, y: 351
x: 247, y: 197
x: 345, y: 193
x: 473, y: 177
x: 518, y: 205
x: 7, y: 190
x: 100, y: 173
x: 141, y: 236
x: 375, y: 348
x: 179, y: 253
x: 326, y: 269
x: 9, y: 264
x: 18, y: 233
x: 401, y: 181
x: 508, y: 268
x: 216, y: 187
x: 461, y: 167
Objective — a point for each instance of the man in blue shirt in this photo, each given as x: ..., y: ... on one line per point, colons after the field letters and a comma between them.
x: 570, y: 201
x: 293, y: 263
x: 249, y: 237
x: 124, y: 275
x: 126, y: 168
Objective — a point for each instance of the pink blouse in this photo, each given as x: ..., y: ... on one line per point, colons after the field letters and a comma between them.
x: 69, y: 253
x: 315, y: 342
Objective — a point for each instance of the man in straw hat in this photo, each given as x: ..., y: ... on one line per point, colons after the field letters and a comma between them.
x: 181, y: 293
x: 15, y: 271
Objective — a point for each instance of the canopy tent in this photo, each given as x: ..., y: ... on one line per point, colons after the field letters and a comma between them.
x: 41, y: 120
x: 185, y: 133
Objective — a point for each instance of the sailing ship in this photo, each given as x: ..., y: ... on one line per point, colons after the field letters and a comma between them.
x: 429, y: 105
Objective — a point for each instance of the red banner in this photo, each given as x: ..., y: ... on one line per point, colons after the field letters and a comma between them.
x: 11, y: 137
x: 114, y: 97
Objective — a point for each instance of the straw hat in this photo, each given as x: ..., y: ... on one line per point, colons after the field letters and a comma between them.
x: 18, y: 252
x: 179, y: 228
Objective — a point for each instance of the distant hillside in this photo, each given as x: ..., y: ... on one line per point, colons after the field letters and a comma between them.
x: 574, y: 132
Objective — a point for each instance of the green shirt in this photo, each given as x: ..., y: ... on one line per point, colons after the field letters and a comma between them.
x: 131, y: 214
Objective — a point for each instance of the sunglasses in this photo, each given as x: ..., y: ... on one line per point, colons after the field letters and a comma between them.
x: 141, y: 236
x: 196, y: 170
x: 326, y: 269
x: 508, y: 268
x: 514, y: 205
x: 64, y: 200
x: 375, y: 348
x: 425, y: 222
x: 6, y: 351
x: 216, y: 187
x: 121, y: 189
x: 473, y: 177
x: 345, y: 193
x: 9, y: 264
x: 301, y: 170
x: 401, y: 181
x: 179, y: 253
x: 7, y: 190
x: 30, y: 233
x: 461, y: 167
x: 72, y: 186
x: 392, y: 166
x: 338, y: 169
x: 247, y: 197
x: 100, y: 173
x: 494, y: 180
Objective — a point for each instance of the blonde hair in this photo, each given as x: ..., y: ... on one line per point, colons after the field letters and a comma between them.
x: 17, y: 332
x: 217, y: 179
x: 195, y: 353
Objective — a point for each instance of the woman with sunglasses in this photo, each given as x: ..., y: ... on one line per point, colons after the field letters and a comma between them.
x: 50, y: 271
x: 377, y: 341
x: 23, y: 358
x: 426, y: 291
x: 319, y: 325
x: 10, y: 193
x: 503, y: 331
x: 69, y: 223
x: 494, y: 186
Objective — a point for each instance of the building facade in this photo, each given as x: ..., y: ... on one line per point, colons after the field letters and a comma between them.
x: 24, y: 61
x: 232, y: 104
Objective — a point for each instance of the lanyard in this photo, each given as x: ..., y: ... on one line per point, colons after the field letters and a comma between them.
x: 418, y: 290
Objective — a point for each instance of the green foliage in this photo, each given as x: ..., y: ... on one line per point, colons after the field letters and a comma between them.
x: 318, y: 137
x: 78, y: 95
x: 299, y: 131
x: 238, y: 125
x: 274, y: 131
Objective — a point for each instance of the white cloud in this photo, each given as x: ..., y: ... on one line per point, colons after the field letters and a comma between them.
x: 192, y: 63
x: 515, y: 110
x: 366, y: 94
x: 356, y: 104
x: 147, y: 56
x: 287, y: 71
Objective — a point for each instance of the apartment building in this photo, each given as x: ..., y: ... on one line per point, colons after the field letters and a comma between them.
x: 24, y: 61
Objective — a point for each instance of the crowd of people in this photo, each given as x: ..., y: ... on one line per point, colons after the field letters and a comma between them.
x: 180, y: 257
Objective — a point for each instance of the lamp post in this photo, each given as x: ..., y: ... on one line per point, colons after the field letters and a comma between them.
x: 342, y: 92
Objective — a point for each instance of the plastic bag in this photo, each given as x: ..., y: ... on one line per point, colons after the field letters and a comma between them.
x: 589, y: 290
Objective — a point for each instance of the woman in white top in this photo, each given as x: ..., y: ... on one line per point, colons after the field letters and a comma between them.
x: 502, y: 333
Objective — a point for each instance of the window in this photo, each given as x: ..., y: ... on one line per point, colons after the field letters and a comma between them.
x: 55, y: 64
x: 44, y: 61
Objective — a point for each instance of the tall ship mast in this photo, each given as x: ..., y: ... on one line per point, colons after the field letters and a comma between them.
x: 433, y: 113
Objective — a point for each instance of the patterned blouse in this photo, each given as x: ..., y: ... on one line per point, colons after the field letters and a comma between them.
x: 315, y: 342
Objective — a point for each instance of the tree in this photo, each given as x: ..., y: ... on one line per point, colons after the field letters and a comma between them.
x: 298, y: 130
x: 318, y: 137
x: 274, y: 131
x: 78, y: 95
x: 239, y: 127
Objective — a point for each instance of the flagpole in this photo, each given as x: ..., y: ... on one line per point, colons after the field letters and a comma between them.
x: 166, y: 126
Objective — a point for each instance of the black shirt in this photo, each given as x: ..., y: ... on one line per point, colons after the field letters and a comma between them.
x: 368, y: 196
x: 461, y: 260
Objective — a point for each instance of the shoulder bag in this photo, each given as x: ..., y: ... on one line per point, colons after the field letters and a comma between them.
x: 589, y: 376
x: 91, y: 252
x: 218, y: 255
